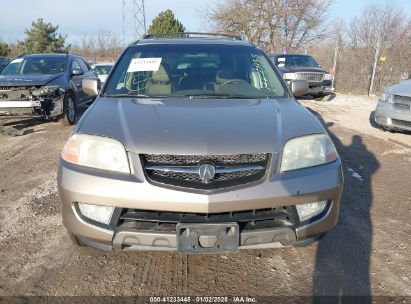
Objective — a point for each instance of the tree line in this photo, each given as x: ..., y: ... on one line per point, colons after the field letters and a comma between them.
x: 369, y: 51
x: 43, y: 37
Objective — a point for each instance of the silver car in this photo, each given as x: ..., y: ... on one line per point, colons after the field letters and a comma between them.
x: 197, y: 145
x: 394, y: 107
x: 102, y: 70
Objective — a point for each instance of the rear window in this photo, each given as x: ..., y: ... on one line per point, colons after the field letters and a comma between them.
x: 187, y: 70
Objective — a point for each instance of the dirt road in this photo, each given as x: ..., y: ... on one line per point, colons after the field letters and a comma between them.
x: 366, y: 254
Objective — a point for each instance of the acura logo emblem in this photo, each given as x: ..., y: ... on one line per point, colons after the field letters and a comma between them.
x: 206, y: 172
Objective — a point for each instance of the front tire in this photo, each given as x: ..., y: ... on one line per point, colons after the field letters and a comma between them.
x: 69, y: 110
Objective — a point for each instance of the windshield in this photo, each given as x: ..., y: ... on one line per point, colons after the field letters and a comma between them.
x: 35, y: 66
x: 102, y: 69
x: 295, y: 60
x: 195, y: 70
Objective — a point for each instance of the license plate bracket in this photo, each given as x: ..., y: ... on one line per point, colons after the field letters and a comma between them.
x: 207, y: 238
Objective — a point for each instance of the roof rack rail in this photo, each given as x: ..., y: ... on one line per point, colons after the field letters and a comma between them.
x: 191, y: 35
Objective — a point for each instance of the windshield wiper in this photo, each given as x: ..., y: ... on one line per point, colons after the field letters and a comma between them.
x: 227, y: 96
x: 133, y: 95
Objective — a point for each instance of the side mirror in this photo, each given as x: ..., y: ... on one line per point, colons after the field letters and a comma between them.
x: 90, y: 86
x: 77, y: 72
x: 299, y: 87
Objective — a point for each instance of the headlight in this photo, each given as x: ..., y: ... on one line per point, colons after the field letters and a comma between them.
x: 46, y: 91
x: 308, y: 151
x: 328, y: 77
x: 96, y: 152
x: 289, y: 76
x: 306, y: 211
x: 101, y: 214
x: 388, y: 98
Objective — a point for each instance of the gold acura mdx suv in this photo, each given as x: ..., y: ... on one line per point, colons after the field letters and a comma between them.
x: 195, y: 144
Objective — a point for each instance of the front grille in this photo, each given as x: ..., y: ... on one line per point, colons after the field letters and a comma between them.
x: 402, y: 102
x: 402, y: 106
x: 310, y: 76
x: 183, y: 170
x: 247, y: 220
x: 195, y: 159
x: 194, y: 177
x: 402, y: 123
x: 402, y: 99
x: 15, y: 93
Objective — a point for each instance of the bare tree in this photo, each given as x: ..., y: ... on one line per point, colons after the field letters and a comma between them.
x: 274, y: 24
x: 104, y: 46
x: 376, y: 33
x: 357, y: 42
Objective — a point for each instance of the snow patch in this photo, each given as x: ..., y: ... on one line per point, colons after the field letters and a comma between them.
x: 355, y: 174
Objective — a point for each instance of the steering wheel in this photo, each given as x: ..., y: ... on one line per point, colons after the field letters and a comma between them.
x: 232, y: 81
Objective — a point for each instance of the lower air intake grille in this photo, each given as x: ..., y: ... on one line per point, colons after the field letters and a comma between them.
x: 402, y: 123
x: 248, y: 220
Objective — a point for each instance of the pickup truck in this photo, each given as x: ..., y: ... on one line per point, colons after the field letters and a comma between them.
x: 304, y: 67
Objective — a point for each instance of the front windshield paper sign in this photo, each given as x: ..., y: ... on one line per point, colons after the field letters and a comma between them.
x: 144, y: 65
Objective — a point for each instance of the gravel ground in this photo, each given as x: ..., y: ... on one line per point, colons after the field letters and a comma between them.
x: 366, y: 254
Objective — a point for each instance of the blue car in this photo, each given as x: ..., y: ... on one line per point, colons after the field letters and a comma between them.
x: 47, y: 85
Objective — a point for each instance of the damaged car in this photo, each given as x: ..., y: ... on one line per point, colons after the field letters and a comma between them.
x: 45, y: 85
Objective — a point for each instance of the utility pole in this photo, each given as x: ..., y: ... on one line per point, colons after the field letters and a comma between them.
x: 133, y: 20
x: 335, y: 64
x: 374, y: 67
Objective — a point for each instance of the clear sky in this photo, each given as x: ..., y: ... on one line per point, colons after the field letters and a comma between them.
x: 86, y: 17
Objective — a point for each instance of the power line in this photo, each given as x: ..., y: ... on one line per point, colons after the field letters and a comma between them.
x: 133, y: 20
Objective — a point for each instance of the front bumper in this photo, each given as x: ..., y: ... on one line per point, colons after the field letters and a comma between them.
x: 133, y: 191
x: 320, y: 90
x: 19, y: 107
x: 323, y: 88
x: 386, y: 115
x: 52, y: 107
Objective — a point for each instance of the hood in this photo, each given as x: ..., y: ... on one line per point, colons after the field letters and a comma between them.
x: 199, y: 126
x: 403, y: 88
x: 301, y: 69
x: 27, y: 80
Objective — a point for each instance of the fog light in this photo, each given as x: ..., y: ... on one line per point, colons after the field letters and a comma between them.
x: 309, y: 210
x: 101, y: 214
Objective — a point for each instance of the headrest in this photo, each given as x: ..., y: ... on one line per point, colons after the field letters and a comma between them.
x: 160, y: 75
